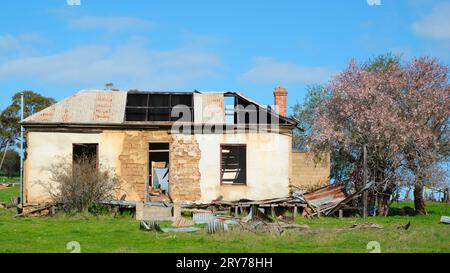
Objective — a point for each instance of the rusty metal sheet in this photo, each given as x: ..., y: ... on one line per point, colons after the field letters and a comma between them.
x: 326, y: 195
x: 85, y: 107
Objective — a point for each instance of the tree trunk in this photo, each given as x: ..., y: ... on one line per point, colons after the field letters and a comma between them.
x: 408, y: 191
x: 419, y: 202
x: 383, y: 204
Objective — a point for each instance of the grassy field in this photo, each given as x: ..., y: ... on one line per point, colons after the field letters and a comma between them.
x: 122, y: 234
x: 4, y: 179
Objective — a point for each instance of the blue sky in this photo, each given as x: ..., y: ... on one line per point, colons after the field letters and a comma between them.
x: 57, y: 49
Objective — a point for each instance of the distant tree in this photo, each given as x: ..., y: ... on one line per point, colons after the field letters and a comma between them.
x: 10, y: 117
x: 11, y: 163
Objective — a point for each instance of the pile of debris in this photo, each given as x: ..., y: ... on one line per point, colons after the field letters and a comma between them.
x: 219, y: 214
x: 36, y: 210
x: 154, y: 226
x: 330, y: 199
x: 323, y: 201
x: 258, y: 220
x: 255, y: 221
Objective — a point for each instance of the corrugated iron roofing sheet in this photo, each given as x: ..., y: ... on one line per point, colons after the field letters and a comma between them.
x: 85, y: 107
x: 96, y: 107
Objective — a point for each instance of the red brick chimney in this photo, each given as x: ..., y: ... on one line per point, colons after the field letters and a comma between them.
x: 279, y: 95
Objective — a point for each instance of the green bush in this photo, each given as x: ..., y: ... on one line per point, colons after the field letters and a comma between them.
x: 99, y: 209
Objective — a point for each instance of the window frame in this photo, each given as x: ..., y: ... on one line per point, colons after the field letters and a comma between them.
x: 222, y: 145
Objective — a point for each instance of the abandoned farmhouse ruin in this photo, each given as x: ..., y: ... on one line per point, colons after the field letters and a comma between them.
x: 190, y: 146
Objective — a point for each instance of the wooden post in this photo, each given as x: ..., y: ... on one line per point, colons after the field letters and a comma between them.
x: 446, y: 200
x: 365, y: 181
x: 295, y: 212
x: 341, y: 214
x: 272, y: 211
x: 4, y: 154
x: 375, y: 205
x: 236, y: 212
x: 149, y: 182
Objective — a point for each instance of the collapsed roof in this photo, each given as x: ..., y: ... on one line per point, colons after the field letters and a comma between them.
x: 109, y: 108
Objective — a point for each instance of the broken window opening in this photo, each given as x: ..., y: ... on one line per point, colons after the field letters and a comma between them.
x: 229, y: 106
x: 85, y: 151
x: 239, y: 110
x: 233, y: 164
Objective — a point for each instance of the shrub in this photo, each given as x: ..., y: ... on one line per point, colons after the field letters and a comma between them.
x: 77, y: 186
x: 99, y: 209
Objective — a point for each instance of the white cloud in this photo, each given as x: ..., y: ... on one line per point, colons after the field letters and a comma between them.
x: 270, y: 71
x: 73, y: 2
x: 129, y: 64
x: 24, y: 44
x: 109, y: 23
x: 435, y: 25
x: 374, y: 2
x: 9, y: 41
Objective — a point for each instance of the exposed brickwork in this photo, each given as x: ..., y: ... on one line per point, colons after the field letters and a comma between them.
x: 280, y: 94
x: 184, y: 169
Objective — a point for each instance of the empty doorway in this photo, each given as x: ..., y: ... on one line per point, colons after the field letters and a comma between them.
x: 158, y: 172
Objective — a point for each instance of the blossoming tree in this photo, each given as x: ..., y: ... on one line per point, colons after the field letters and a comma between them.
x: 398, y: 111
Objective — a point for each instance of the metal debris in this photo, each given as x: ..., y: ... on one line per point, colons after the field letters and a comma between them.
x: 445, y: 219
x: 216, y: 227
x: 182, y: 222
x: 150, y: 226
x: 154, y: 226
x: 329, y: 199
x: 181, y: 229
x: 203, y: 218
x: 323, y: 201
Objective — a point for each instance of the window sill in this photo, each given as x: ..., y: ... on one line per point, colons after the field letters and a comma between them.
x: 231, y: 184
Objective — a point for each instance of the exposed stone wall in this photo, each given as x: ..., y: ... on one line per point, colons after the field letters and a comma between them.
x: 184, y: 169
x: 134, y: 160
x: 310, y: 172
x: 184, y: 175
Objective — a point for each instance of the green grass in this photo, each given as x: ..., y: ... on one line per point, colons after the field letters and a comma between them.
x: 5, y: 179
x: 8, y: 193
x: 122, y: 234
